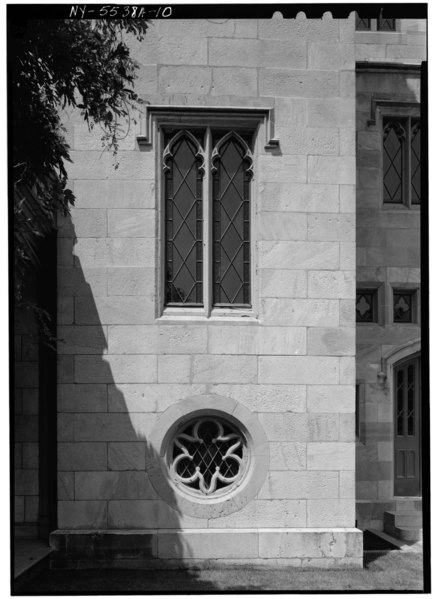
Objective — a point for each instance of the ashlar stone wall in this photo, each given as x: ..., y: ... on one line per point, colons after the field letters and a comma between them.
x: 290, y: 363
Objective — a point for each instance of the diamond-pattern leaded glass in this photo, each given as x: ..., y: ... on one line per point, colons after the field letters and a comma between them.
x: 183, y: 161
x: 415, y: 161
x: 365, y: 305
x: 362, y: 24
x: 403, y: 306
x: 393, y: 160
x: 232, y: 163
x: 208, y: 456
x: 386, y: 24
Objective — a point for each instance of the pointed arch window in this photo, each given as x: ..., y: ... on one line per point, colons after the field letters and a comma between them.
x: 207, y: 200
x: 401, y: 160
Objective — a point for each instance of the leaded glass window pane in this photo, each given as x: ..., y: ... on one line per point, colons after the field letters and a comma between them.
x: 366, y: 305
x: 415, y: 162
x: 231, y: 221
x: 183, y: 222
x: 386, y: 24
x: 403, y: 306
x: 362, y: 24
x: 393, y: 160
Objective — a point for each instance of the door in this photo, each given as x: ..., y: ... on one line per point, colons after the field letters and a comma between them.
x: 407, y: 427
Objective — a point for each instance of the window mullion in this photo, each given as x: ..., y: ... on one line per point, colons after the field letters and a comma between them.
x: 207, y: 224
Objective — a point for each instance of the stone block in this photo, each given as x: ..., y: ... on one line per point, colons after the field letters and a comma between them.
x: 122, y: 369
x: 288, y: 456
x: 112, y: 427
x: 347, y: 84
x: 100, y: 310
x: 182, y: 51
x: 126, y: 251
x: 258, y: 53
x: 406, y: 52
x: 130, y: 281
x: 65, y: 310
x: 347, y: 313
x: 237, y: 81
x: 300, y: 484
x: 146, y: 82
x: 290, y: 113
x: 331, y: 341
x: 65, y: 246
x: 331, y: 169
x: 65, y: 486
x: 283, y: 283
x: 331, y: 285
x: 184, y: 80
x: 347, y: 484
x: 18, y: 509
x: 282, y: 226
x: 26, y: 428
x: 320, y: 543
x: 250, y: 340
x: 30, y: 401
x: 65, y: 427
x: 82, y: 398
x: 82, y: 514
x: 298, y: 83
x: 327, y: 56
x: 149, y: 398
x: 82, y: 339
x: 115, y: 194
x: 84, y: 223
x: 149, y: 514
x: 173, y: 369
x: 285, y: 168
x: 99, y: 165
x: 131, y: 222
x: 300, y: 28
x: 272, y: 514
x: 294, y: 197
x: 331, y: 112
x: 112, y: 485
x: 266, y: 398
x: 347, y: 255
x: 208, y: 545
x: 330, y: 512
x: 82, y: 456
x: 31, y: 508
x: 26, y: 482
x: 298, y: 369
x: 300, y: 312
x: 347, y: 427
x: 330, y: 456
x: 300, y: 427
x: 126, y: 456
x: 328, y: 227
x: 65, y: 369
x: 81, y: 281
x: 224, y: 369
x: 18, y: 455
x: 26, y: 374
x: 30, y: 455
x: 330, y: 398
x: 193, y: 28
x: 347, y: 371
x: 164, y: 339
x: 296, y: 255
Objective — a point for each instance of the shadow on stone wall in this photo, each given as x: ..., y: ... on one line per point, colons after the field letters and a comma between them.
x: 107, y: 506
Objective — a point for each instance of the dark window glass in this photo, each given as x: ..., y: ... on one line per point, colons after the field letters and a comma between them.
x: 357, y: 409
x: 415, y: 161
x: 399, y: 412
x: 403, y: 306
x: 410, y: 400
x: 386, y: 24
x: 231, y: 226
x: 393, y: 160
x: 183, y: 203
x: 362, y: 24
x: 366, y: 305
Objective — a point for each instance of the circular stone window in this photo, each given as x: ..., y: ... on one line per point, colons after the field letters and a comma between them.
x: 208, y: 456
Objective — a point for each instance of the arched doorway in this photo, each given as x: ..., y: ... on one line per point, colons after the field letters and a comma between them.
x: 407, y: 427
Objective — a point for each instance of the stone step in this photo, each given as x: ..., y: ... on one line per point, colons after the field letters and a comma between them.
x: 411, y: 518
x: 402, y: 531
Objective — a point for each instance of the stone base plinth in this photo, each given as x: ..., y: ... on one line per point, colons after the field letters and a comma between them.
x: 205, y: 548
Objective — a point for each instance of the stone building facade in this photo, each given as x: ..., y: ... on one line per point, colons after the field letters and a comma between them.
x: 206, y: 301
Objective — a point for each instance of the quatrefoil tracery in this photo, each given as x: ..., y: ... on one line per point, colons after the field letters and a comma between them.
x: 207, y: 456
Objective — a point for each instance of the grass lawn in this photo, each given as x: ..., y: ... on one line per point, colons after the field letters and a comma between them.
x: 394, y: 570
